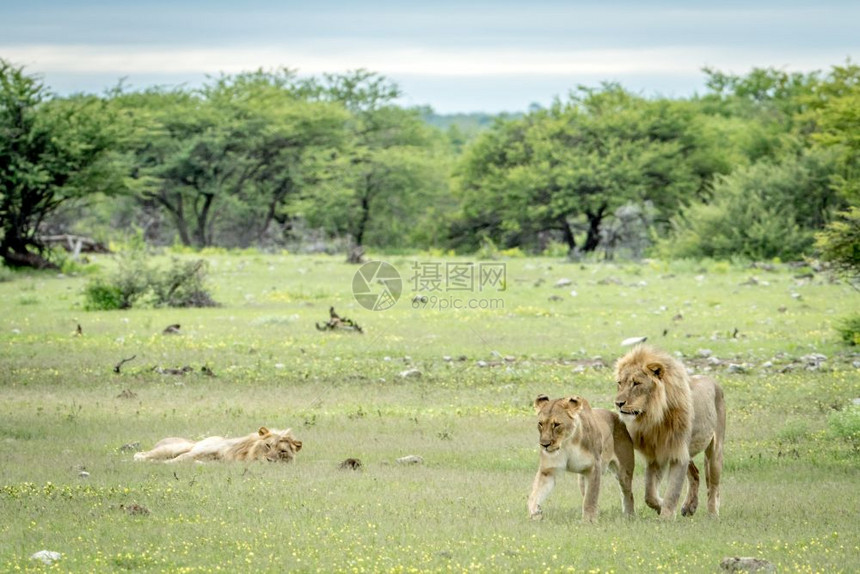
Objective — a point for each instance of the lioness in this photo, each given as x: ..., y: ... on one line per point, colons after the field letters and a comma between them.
x: 587, y: 441
x: 672, y: 417
x: 265, y: 444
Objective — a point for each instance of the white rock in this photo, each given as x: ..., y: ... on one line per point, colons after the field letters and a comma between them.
x: 46, y: 556
x: 410, y: 374
x: 633, y: 341
x: 410, y: 459
x: 564, y: 282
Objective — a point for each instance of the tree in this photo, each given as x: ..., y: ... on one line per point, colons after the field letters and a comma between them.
x: 760, y: 212
x: 222, y: 161
x: 52, y: 152
x: 389, y: 183
x: 571, y: 166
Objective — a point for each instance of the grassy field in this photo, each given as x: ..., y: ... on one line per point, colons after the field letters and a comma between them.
x: 791, y: 486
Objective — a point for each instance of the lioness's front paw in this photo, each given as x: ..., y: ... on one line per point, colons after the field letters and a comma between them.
x: 536, y: 514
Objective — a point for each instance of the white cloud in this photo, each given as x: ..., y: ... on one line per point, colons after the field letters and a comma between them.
x: 473, y: 62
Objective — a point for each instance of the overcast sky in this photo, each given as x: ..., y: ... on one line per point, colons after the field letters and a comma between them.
x: 455, y: 56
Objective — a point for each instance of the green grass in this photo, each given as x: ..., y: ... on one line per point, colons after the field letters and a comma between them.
x: 791, y: 489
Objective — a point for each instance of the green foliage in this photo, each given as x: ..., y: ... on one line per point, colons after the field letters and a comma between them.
x: 839, y: 244
x: 52, y: 152
x: 99, y: 295
x: 759, y: 212
x: 845, y: 425
x: 569, y: 168
x: 182, y: 284
x: 849, y: 329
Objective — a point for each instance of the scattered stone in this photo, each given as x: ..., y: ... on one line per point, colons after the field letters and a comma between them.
x: 856, y: 401
x: 555, y: 298
x: 767, y: 365
x: 410, y: 374
x: 714, y: 361
x: 350, y: 464
x: 47, y: 557
x: 813, y: 361
x: 127, y: 394
x: 574, y: 293
x: 338, y: 323
x: 705, y: 353
x: 633, y: 341
x: 856, y: 364
x: 118, y: 367
x: 483, y: 364
x: 171, y: 371
x: 796, y: 296
x: 736, y: 369
x: 510, y: 359
x: 782, y: 309
x: 84, y: 474
x: 172, y: 330
x: 564, y: 282
x: 447, y: 358
x: 678, y: 317
x: 206, y: 370
x: 738, y: 564
x: 610, y: 281
x: 135, y: 509
x: 410, y: 459
x: 130, y: 447
x: 751, y: 281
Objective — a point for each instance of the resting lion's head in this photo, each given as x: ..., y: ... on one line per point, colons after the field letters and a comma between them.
x: 557, y: 419
x: 278, y: 446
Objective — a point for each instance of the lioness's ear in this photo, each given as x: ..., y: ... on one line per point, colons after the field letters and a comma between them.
x: 297, y: 445
x: 656, y: 369
x: 572, y: 404
x: 263, y: 431
x: 539, y: 401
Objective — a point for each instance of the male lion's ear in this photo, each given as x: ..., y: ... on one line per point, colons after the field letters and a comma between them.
x: 656, y: 369
x: 297, y: 444
x: 539, y: 401
x: 263, y: 431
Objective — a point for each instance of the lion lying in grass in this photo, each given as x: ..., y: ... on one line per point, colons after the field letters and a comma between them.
x: 672, y: 417
x: 265, y: 444
x: 577, y: 438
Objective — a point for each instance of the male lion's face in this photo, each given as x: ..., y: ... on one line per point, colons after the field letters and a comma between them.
x: 557, y: 420
x: 281, y: 446
x: 636, y: 383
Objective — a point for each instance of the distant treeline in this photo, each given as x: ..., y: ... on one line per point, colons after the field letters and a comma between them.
x: 753, y: 167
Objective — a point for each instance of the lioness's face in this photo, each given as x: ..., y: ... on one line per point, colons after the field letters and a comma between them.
x: 557, y: 420
x: 282, y: 447
x: 635, y: 386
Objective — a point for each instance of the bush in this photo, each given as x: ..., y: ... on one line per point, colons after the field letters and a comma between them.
x: 845, y: 425
x: 102, y: 296
x: 181, y: 285
x: 758, y: 212
x: 849, y: 329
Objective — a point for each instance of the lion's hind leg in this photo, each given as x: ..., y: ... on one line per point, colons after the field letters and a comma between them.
x: 713, y: 469
x: 166, y: 449
x: 692, y: 502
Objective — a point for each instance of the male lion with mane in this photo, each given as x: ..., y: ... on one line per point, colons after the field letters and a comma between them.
x: 672, y: 417
x: 577, y: 438
x: 271, y: 445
